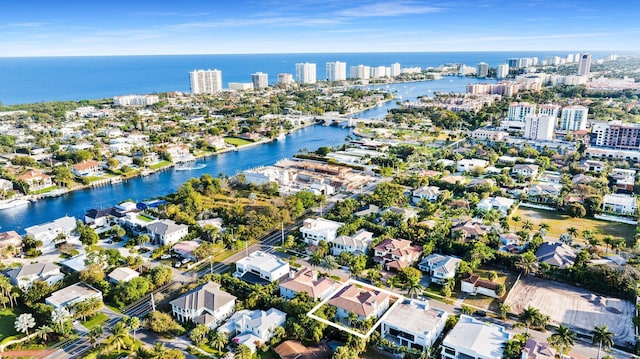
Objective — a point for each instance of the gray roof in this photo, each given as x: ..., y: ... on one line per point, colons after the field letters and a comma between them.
x: 164, y: 227
x: 31, y: 269
x: 208, y: 296
x: 556, y: 254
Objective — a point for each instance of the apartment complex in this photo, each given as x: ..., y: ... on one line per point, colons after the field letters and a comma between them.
x: 260, y: 80
x: 306, y: 73
x: 205, y: 81
x: 336, y: 71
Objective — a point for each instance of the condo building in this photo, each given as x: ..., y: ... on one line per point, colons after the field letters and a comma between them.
x: 260, y: 80
x: 518, y: 111
x: 306, y: 73
x: 205, y: 81
x: 584, y: 65
x: 336, y: 71
x: 574, y: 118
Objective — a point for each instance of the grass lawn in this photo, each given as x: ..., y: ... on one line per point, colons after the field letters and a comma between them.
x: 559, y: 223
x: 113, y: 308
x: 160, y: 165
x: 145, y: 218
x: 7, y: 318
x: 91, y: 179
x: 481, y: 301
x: 238, y: 142
x: 95, y: 320
x: 45, y: 190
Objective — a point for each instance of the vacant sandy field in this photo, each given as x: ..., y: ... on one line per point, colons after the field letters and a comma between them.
x: 573, y: 306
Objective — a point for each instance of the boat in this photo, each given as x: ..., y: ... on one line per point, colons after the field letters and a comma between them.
x: 281, y: 137
x: 186, y: 167
x: 13, y: 203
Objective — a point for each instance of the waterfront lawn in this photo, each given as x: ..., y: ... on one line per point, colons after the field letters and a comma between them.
x: 160, y: 164
x: 91, y: 179
x: 7, y: 319
x: 559, y: 223
x: 45, y: 190
x: 95, y: 320
x: 238, y: 142
x: 145, y: 218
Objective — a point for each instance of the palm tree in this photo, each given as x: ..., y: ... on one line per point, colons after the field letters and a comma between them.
x: 329, y: 262
x: 414, y: 288
x: 315, y: 260
x: 573, y: 231
x: 544, y: 226
x: 516, y: 219
x: 94, y: 334
x: 563, y: 339
x: 608, y: 240
x: 528, y: 263
x: 528, y: 317
x: 24, y: 322
x: 218, y: 340
x: 43, y: 332
x: 603, y: 337
x: 527, y: 225
x: 119, y: 336
x: 504, y: 310
x: 242, y: 352
x: 134, y: 324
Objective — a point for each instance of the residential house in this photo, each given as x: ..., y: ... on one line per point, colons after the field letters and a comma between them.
x: 402, y: 214
x: 501, y: 204
x: 623, y: 179
x: 547, y: 193
x: 427, y: 193
x: 593, y: 166
x: 471, y: 230
x: 87, y: 168
x: 101, y: 217
x: 582, y: 179
x: 24, y: 276
x: 315, y: 230
x: 76, y: 293
x: 473, y: 338
x: 167, y: 232
x: 366, y: 211
x: 454, y: 179
x: 36, y: 180
x: 206, y: 304
x: 290, y: 349
x: 413, y: 324
x: 537, y: 350
x: 356, y: 244
x: 48, y: 232
x: 474, y: 285
x: 395, y: 254
x: 466, y: 165
x: 446, y: 163
x: 550, y: 177
x: 75, y: 264
x: 10, y: 239
x: 439, y: 267
x: 621, y: 204
x: 185, y: 249
x: 179, y: 153
x: 481, y: 183
x: 122, y: 275
x: 525, y: 170
x: 260, y: 267
x: 556, y: 254
x: 363, y: 301
x: 253, y: 326
x: 307, y: 280
x: 5, y: 185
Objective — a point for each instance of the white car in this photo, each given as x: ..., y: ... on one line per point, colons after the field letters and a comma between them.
x: 165, y: 256
x: 186, y: 260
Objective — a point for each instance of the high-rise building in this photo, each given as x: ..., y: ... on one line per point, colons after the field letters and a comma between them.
x: 260, y: 80
x: 336, y: 71
x: 483, y: 70
x: 549, y: 110
x: 378, y: 72
x: 502, y: 71
x: 285, y: 79
x: 306, y: 73
x: 518, y: 111
x: 205, y: 81
x: 361, y: 72
x: 539, y: 128
x: 584, y: 66
x: 395, y: 70
x: 616, y: 134
x: 574, y: 118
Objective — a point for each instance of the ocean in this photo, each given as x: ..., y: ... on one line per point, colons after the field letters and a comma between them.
x: 43, y: 79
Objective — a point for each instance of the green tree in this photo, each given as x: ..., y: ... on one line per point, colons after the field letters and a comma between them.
x: 528, y: 317
x: 603, y: 337
x: 242, y: 352
x: 94, y: 335
x: 218, y: 340
x: 24, y: 322
x: 161, y: 275
x: 162, y: 323
x: 563, y: 339
x: 527, y: 263
x: 134, y: 324
x: 199, y: 334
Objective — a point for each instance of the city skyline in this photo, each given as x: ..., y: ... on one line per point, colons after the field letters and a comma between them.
x: 73, y: 28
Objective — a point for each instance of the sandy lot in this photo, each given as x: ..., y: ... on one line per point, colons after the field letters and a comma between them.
x: 573, y: 306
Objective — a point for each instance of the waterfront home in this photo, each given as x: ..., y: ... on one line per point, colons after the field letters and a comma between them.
x: 525, y: 170
x: 179, y: 153
x: 73, y: 294
x: 47, y: 232
x: 36, y: 180
x: 363, y: 302
x: 87, y: 168
x: 261, y: 267
x: 10, y: 239
x: 395, y: 254
x: 306, y: 280
x: 101, y: 217
x: 122, y: 274
x: 621, y: 204
x: 427, y: 193
x: 439, y: 267
x: 556, y: 254
x: 5, y: 185
x: 501, y: 204
x: 314, y: 230
x: 358, y: 243
x: 167, y: 232
x: 24, y: 276
x: 413, y: 324
x: 253, y: 327
x: 474, y: 285
x: 206, y: 304
x: 473, y: 338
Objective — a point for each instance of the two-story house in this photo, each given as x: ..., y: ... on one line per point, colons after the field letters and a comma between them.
x: 362, y: 301
x: 206, y: 304
x: 473, y: 338
x: 439, y: 267
x: 395, y: 254
x: 413, y: 324
x: 261, y: 267
x: 75, y: 293
x: 356, y: 244
x: 306, y: 280
x: 167, y: 232
x: 24, y: 276
x: 252, y: 327
x: 87, y: 168
x: 314, y: 230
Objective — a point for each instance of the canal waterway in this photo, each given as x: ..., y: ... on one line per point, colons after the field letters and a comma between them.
x: 164, y: 182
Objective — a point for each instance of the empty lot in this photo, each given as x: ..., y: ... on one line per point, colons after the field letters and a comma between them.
x: 573, y: 306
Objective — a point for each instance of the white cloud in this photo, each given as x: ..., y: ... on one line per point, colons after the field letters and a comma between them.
x: 386, y: 9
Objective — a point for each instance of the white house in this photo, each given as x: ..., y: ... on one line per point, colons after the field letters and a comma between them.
x: 122, y: 274
x: 413, y: 324
x: 473, y: 338
x: 364, y: 302
x: 307, y: 280
x: 206, y: 304
x: 24, y: 276
x: 501, y: 204
x: 253, y: 326
x: 474, y: 285
x: 593, y: 166
x: 358, y: 243
x: 76, y: 293
x: 47, y: 232
x: 619, y: 204
x: 87, y: 168
x: 5, y: 185
x: 526, y: 170
x: 167, y: 232
x: 439, y: 267
x: 260, y: 266
x: 429, y: 193
x: 315, y: 230
x: 466, y: 165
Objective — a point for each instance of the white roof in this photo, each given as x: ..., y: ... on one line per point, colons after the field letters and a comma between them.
x: 264, y: 261
x: 123, y: 274
x: 319, y: 226
x: 474, y: 336
x: 416, y: 316
x: 620, y: 199
x: 360, y: 239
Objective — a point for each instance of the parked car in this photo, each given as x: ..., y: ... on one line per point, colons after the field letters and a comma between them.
x: 186, y: 260
x: 165, y: 256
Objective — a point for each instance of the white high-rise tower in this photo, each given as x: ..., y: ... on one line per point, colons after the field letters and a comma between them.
x: 306, y: 73
x: 205, y: 81
x: 336, y: 71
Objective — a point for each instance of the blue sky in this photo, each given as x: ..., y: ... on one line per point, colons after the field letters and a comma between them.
x: 94, y: 27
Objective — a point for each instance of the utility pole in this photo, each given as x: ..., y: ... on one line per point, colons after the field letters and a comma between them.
x: 153, y: 303
x: 282, y: 232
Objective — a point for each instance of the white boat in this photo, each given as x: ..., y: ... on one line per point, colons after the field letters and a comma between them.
x: 185, y: 167
x: 282, y: 136
x: 13, y: 203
